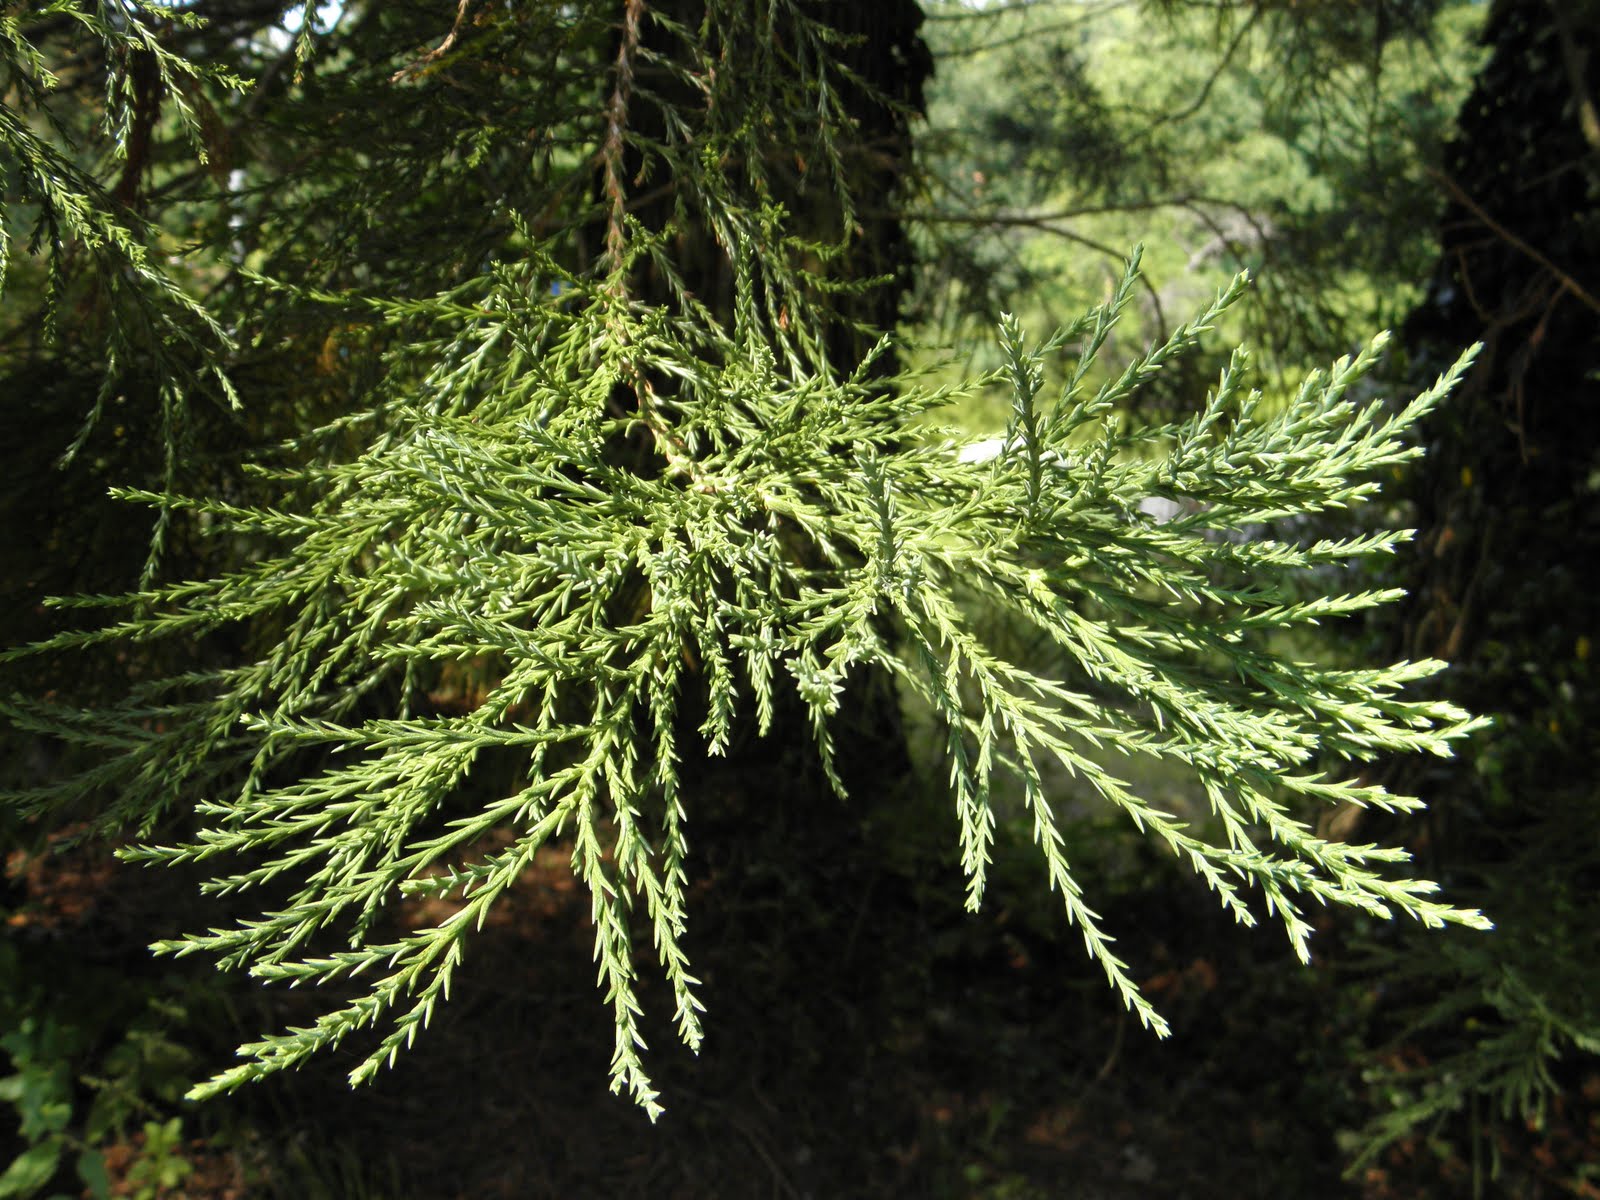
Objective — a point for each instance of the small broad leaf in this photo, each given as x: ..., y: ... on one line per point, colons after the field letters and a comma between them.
x: 31, y: 1170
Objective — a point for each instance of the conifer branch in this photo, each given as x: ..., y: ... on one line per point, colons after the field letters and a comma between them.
x: 477, y: 613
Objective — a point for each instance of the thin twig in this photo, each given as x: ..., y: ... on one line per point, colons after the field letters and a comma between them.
x: 616, y: 127
x: 988, y: 12
x: 611, y: 153
x: 1511, y: 239
x: 1032, y: 33
x: 1044, y: 225
x: 1005, y: 217
x: 1110, y: 1063
x: 438, y: 51
x: 1194, y: 106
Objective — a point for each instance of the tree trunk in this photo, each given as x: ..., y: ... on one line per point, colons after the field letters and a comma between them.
x: 1503, y: 583
x: 1505, y: 574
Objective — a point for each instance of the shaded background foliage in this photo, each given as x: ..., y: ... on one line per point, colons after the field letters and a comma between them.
x: 933, y: 1055
x: 1504, y: 579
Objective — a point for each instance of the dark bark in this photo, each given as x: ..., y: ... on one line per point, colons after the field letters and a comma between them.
x: 1503, y: 583
x: 1506, y: 572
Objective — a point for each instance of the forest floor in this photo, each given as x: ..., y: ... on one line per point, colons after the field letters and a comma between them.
x: 865, y: 1037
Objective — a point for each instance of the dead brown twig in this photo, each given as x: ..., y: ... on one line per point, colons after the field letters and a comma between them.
x: 439, y: 51
x: 1511, y: 239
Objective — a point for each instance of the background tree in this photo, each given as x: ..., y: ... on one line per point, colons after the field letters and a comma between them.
x: 1503, y: 583
x: 1253, y: 136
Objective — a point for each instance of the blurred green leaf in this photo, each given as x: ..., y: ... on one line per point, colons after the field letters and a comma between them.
x: 31, y: 1169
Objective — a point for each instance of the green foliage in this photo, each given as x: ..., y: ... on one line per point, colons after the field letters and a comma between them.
x: 58, y: 206
x: 161, y: 1165
x: 622, y: 478
x: 782, y: 541
x: 1292, y: 141
x: 41, y: 1092
x: 80, y: 1072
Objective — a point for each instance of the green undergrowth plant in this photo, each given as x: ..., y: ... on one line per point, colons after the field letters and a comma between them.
x: 778, y: 535
x: 86, y: 1055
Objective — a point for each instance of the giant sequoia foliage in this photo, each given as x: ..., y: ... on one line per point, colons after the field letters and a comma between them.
x: 557, y: 346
